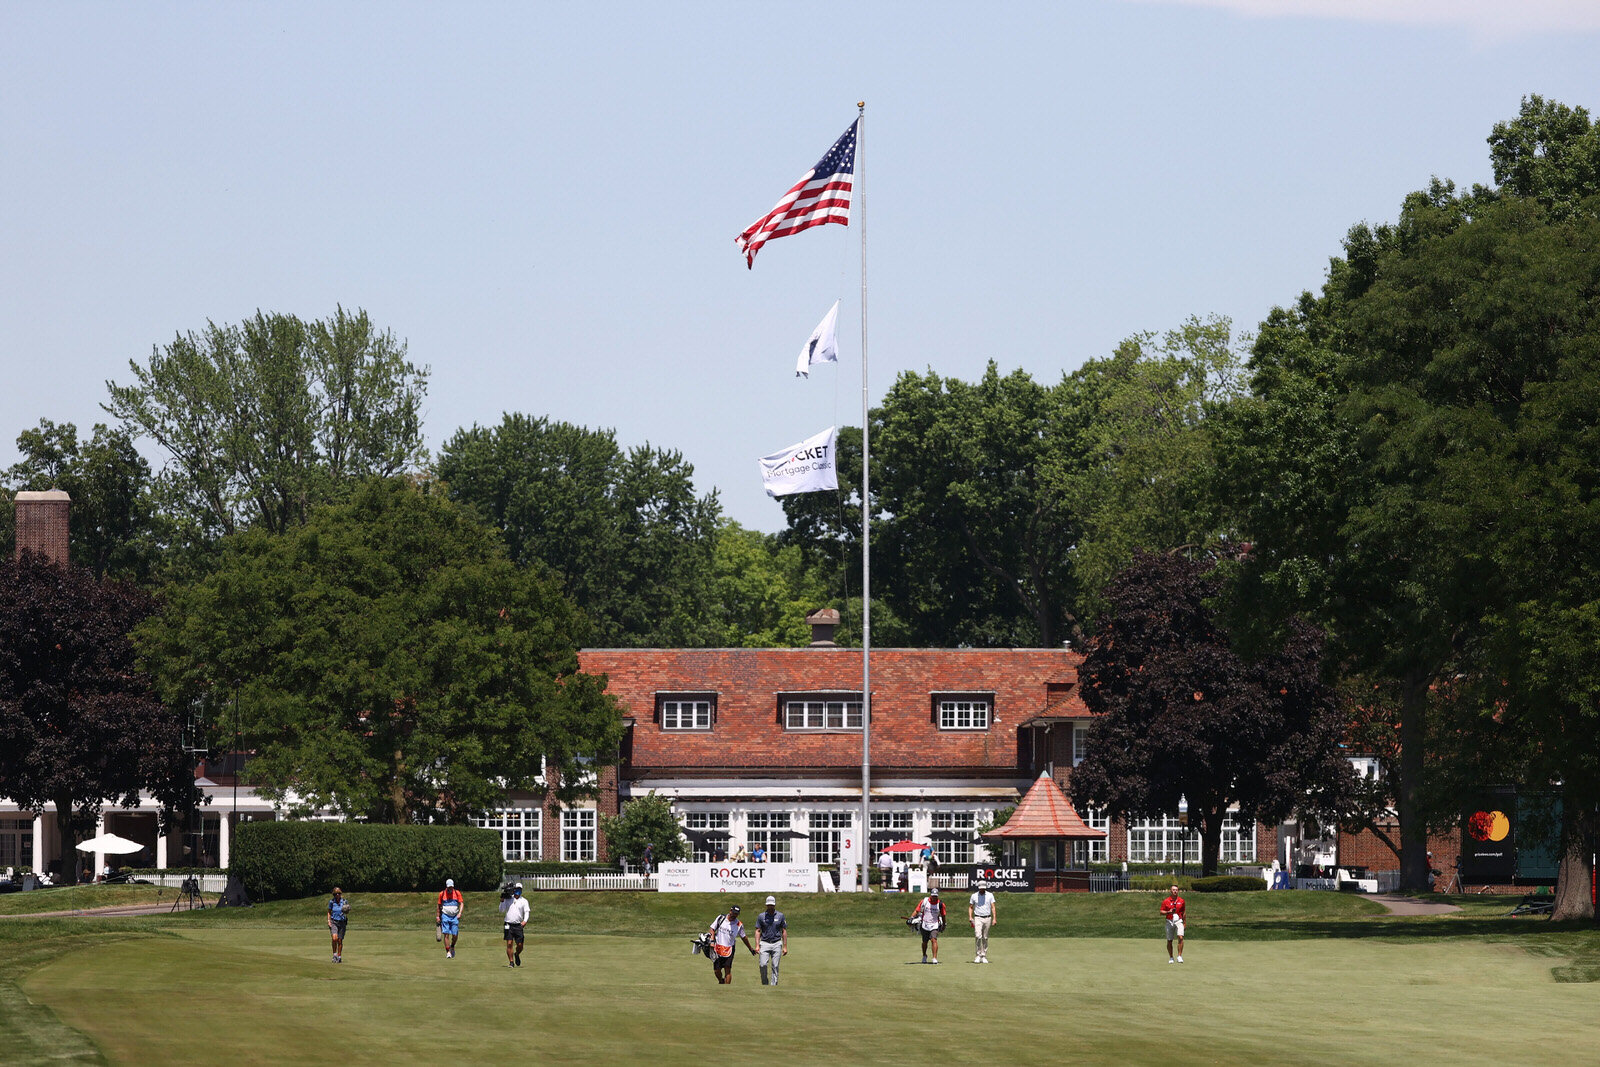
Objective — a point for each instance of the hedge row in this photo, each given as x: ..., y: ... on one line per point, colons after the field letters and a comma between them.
x: 301, y: 859
x: 1222, y: 883
x: 1228, y: 883
x: 529, y: 868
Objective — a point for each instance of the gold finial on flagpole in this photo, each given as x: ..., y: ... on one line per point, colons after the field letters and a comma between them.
x: 862, y: 104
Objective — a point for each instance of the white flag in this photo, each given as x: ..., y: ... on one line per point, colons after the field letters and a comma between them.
x: 823, y: 347
x: 803, y: 468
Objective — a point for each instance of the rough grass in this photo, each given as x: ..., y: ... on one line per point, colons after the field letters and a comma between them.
x: 1288, y: 977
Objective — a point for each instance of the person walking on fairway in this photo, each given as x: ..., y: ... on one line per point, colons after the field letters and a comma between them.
x: 773, y: 932
x: 930, y: 919
x: 724, y: 931
x: 448, y: 912
x: 1172, y: 908
x: 983, y: 912
x: 516, y: 913
x: 338, y: 916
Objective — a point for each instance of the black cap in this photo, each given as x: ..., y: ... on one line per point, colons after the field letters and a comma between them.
x: 733, y: 910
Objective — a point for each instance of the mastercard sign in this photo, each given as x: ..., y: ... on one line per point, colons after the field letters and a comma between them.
x: 1488, y: 825
x: 1488, y: 841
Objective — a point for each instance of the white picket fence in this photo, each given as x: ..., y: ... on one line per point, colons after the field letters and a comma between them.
x: 608, y: 880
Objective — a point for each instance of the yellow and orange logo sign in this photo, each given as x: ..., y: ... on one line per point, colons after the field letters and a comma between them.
x: 1488, y: 825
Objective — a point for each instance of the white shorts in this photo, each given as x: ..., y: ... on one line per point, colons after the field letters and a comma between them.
x: 1174, y: 929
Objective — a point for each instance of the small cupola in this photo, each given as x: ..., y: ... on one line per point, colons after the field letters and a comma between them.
x: 823, y: 622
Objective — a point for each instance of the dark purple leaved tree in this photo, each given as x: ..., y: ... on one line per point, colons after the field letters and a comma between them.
x: 79, y: 725
x: 1180, y: 713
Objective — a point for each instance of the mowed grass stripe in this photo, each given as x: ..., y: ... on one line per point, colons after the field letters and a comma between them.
x: 263, y: 995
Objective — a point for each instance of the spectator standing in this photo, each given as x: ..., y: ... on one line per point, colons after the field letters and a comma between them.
x: 724, y: 931
x: 772, y: 931
x: 1172, y: 908
x: 448, y: 912
x: 983, y: 911
x: 515, y: 909
x: 649, y: 857
x: 930, y: 919
x: 758, y: 854
x: 338, y: 917
x: 886, y: 869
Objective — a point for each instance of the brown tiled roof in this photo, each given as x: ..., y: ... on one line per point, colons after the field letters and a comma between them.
x: 1046, y: 812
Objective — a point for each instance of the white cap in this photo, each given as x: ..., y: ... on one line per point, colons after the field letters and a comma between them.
x: 449, y: 883
x: 517, y: 886
x: 772, y: 900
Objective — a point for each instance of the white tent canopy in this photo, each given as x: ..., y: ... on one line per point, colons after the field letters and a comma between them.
x: 110, y: 844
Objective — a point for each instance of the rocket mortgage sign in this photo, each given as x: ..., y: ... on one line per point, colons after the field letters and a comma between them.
x: 727, y: 877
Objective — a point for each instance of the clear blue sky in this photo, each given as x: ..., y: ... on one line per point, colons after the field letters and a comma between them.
x: 542, y: 199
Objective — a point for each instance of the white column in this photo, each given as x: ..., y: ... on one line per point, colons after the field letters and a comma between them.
x: 224, y: 838
x: 99, y: 857
x: 161, y: 846
x: 38, y: 844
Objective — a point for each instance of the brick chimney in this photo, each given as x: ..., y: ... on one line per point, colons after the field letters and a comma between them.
x: 42, y: 523
x: 823, y: 622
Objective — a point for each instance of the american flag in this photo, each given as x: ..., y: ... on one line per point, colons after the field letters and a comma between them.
x: 821, y: 196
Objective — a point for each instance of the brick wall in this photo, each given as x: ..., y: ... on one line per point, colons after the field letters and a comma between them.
x: 748, y: 683
x: 43, y: 523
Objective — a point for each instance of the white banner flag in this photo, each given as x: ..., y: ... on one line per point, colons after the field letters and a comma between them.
x: 803, y: 468
x: 823, y: 346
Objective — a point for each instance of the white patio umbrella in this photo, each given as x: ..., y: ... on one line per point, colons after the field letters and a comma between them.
x: 110, y: 844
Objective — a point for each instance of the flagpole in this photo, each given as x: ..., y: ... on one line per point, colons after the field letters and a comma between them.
x: 866, y: 516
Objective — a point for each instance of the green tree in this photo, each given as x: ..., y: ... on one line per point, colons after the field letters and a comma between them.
x: 387, y: 660
x: 265, y: 420
x: 79, y: 724
x: 623, y: 531
x: 763, y: 590
x: 646, y: 820
x: 1416, y: 478
x: 1138, y: 455
x: 1181, y: 714
x: 116, y: 530
x: 977, y: 546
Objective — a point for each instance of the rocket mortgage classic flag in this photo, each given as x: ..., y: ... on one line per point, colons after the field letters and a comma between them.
x: 803, y: 468
x: 823, y: 346
x: 821, y: 196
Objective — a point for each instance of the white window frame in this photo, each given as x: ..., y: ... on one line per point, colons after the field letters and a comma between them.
x: 517, y: 827
x: 682, y: 711
x: 957, y: 851
x: 16, y: 841
x: 822, y: 711
x: 1094, y: 850
x: 1080, y: 747
x: 1166, y: 840
x: 704, y: 824
x: 824, y: 829
x: 772, y: 830
x: 579, y: 835
x: 967, y: 713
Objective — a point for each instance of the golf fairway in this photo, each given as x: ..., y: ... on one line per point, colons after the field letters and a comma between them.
x: 272, y: 996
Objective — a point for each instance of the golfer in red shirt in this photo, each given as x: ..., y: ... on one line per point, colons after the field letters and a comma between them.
x: 1172, y: 909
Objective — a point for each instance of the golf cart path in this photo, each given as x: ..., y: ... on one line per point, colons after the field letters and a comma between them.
x: 1402, y: 905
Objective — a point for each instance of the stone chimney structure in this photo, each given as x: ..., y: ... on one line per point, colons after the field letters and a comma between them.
x: 823, y: 622
x: 42, y: 524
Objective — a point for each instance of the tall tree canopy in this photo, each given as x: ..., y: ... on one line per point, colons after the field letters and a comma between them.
x: 1003, y: 506
x: 623, y: 531
x: 116, y: 530
x: 1181, y: 714
x: 265, y: 420
x: 1417, y: 466
x: 79, y: 724
x: 387, y: 660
